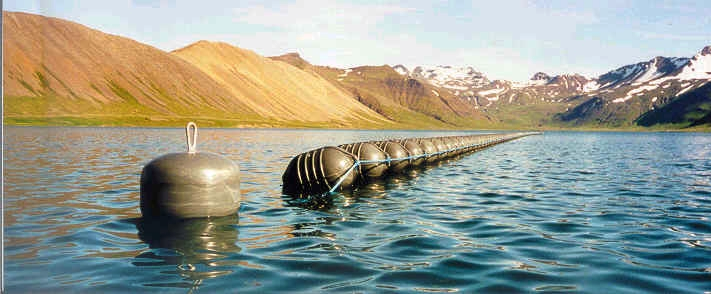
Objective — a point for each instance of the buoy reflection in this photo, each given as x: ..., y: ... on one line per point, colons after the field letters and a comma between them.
x: 193, y: 246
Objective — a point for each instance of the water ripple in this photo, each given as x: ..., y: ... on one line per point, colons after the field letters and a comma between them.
x: 562, y: 212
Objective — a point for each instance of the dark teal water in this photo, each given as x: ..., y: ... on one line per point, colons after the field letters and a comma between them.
x: 560, y: 212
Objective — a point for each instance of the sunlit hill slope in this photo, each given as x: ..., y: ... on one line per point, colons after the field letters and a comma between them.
x: 399, y: 98
x: 274, y: 89
x: 60, y: 72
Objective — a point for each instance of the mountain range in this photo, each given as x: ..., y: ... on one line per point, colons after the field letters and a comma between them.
x: 59, y: 72
x: 623, y: 97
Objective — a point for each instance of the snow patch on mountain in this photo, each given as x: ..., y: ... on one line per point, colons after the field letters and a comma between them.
x: 345, y: 73
x: 698, y: 68
x: 454, y: 87
x: 494, y: 91
x: 619, y: 85
x: 635, y: 92
x: 537, y: 83
x: 685, y: 90
x: 627, y: 71
x: 651, y: 73
x: 591, y: 86
x: 539, y: 79
x: 456, y: 78
x: 401, y: 69
x: 520, y: 85
x: 679, y: 62
x: 660, y: 69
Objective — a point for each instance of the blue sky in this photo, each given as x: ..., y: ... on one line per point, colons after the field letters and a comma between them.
x: 504, y: 39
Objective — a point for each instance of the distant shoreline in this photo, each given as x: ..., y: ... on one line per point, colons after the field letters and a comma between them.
x: 179, y: 122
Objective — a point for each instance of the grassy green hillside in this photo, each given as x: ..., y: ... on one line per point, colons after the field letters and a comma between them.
x: 688, y: 110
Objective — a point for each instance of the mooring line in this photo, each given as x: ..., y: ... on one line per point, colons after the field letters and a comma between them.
x: 343, y: 177
x: 388, y: 160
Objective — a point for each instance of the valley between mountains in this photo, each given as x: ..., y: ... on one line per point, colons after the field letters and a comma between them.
x: 57, y: 72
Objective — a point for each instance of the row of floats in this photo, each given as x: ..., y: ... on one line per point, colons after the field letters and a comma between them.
x: 328, y: 169
x: 194, y: 184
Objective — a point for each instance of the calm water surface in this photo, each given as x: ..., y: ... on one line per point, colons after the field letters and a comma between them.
x: 579, y: 212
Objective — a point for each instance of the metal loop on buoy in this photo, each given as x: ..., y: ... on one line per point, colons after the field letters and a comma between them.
x: 192, y: 144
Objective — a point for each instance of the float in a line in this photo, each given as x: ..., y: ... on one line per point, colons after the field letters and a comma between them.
x: 329, y: 169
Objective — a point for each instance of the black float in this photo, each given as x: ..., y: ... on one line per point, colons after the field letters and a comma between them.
x: 190, y: 184
x: 328, y: 169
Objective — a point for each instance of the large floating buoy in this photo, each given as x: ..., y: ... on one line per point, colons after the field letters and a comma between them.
x: 328, y: 169
x: 190, y: 184
x: 319, y: 170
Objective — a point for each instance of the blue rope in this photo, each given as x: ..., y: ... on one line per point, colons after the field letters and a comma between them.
x: 343, y: 177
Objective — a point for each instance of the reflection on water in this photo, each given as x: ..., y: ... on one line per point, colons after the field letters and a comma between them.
x: 586, y: 212
x: 373, y: 188
x: 195, y: 246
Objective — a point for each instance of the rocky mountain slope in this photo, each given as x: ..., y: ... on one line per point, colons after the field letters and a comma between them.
x: 477, y: 89
x: 461, y: 79
x: 639, y: 73
x: 617, y: 98
x: 625, y: 95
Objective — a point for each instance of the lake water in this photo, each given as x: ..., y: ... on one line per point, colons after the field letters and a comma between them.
x: 563, y: 211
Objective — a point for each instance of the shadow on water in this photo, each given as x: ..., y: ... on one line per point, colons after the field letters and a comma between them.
x: 194, y: 246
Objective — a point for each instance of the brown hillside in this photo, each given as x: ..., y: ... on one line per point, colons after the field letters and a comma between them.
x: 55, y: 67
x: 396, y: 97
x: 293, y: 59
x: 404, y: 99
x: 273, y: 88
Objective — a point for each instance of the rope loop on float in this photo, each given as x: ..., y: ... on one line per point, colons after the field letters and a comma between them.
x: 191, y: 140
